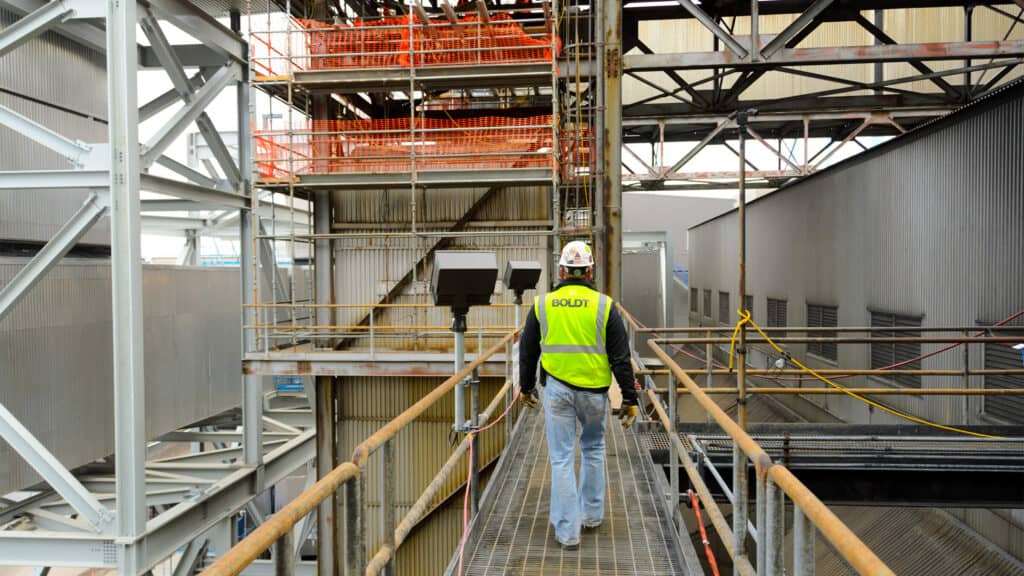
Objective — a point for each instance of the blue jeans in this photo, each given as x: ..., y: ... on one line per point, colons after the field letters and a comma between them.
x: 570, y: 508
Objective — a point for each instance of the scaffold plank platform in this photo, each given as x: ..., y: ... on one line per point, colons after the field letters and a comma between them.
x: 512, y: 534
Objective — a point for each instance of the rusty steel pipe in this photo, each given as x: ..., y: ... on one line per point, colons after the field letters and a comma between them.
x: 866, y: 391
x: 710, y: 506
x: 849, y: 546
x: 386, y: 552
x: 273, y: 528
x: 389, y: 430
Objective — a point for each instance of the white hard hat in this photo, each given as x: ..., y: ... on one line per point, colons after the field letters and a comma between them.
x: 576, y: 254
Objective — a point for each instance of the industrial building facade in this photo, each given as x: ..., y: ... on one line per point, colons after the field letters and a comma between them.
x: 924, y: 230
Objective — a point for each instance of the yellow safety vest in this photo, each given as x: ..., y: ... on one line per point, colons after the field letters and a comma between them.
x: 573, y: 324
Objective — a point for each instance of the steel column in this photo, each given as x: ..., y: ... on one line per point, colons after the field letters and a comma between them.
x: 612, y: 143
x: 325, y: 456
x: 126, y: 286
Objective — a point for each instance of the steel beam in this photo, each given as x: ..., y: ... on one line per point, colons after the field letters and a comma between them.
x: 201, y: 26
x: 53, y: 472
x: 40, y: 548
x: 829, y: 55
x: 85, y: 34
x: 696, y: 149
x: 73, y: 151
x: 702, y: 16
x: 65, y: 239
x: 185, y: 116
x: 804, y: 20
x: 167, y: 99
x: 194, y: 192
x: 35, y: 23
x: 175, y: 71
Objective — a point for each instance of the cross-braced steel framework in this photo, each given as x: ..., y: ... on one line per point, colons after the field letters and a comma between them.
x: 127, y: 513
x: 882, y: 87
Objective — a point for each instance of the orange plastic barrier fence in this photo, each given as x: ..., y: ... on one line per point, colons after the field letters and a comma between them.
x: 391, y: 43
x: 397, y: 145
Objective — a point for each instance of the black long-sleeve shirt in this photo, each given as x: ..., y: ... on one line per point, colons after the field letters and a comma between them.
x: 616, y: 347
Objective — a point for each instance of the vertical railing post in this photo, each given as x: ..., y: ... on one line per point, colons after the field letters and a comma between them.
x: 775, y: 558
x: 673, y: 457
x: 510, y: 391
x: 355, y: 525
x: 761, y: 512
x: 474, y: 414
x: 803, y: 544
x: 388, y: 473
x: 965, y: 382
x: 284, y: 554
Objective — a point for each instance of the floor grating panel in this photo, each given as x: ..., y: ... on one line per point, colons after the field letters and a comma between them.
x: 514, y: 537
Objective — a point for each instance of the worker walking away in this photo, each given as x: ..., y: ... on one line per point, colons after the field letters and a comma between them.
x: 581, y: 341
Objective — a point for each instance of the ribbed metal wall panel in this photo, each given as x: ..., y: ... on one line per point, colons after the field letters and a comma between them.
x: 56, y: 357
x: 439, y: 205
x: 366, y: 404
x: 929, y: 224
x: 367, y: 267
x: 55, y: 70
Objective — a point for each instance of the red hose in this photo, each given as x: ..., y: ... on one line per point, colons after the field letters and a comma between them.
x: 469, y: 476
x: 703, y: 533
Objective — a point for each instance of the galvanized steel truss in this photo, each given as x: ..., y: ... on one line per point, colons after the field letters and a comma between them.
x: 693, y: 111
x: 103, y: 519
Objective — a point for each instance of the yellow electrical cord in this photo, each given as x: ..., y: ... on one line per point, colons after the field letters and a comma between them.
x: 745, y: 319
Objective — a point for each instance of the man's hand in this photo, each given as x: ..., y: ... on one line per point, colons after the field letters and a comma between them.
x: 627, y: 413
x: 529, y: 399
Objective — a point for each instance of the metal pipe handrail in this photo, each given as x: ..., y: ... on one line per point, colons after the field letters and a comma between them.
x: 771, y: 329
x: 849, y: 546
x: 842, y: 372
x: 866, y: 340
x: 864, y: 391
x: 246, y: 551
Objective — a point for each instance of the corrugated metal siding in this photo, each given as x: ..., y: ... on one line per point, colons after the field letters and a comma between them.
x: 930, y: 226
x: 905, y: 26
x: 916, y: 541
x: 366, y: 404
x: 52, y: 69
x: 55, y: 357
x: 439, y: 205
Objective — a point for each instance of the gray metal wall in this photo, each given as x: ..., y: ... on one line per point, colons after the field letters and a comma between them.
x: 56, y: 357
x: 68, y: 76
x: 929, y: 224
x: 674, y: 214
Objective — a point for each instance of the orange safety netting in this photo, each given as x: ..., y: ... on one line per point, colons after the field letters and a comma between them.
x: 392, y: 42
x: 398, y: 145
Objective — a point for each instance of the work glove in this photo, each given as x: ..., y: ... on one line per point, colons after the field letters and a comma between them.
x: 627, y: 413
x: 529, y: 399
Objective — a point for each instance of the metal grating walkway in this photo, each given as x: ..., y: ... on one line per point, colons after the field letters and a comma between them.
x: 512, y: 534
